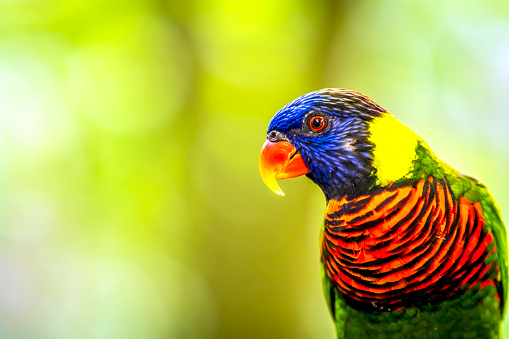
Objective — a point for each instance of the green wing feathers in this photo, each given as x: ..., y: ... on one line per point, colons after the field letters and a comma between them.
x: 475, y: 191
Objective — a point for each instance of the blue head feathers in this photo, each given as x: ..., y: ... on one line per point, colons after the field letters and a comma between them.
x: 330, y: 129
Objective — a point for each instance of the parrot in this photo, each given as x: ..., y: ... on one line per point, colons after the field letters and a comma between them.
x: 410, y: 247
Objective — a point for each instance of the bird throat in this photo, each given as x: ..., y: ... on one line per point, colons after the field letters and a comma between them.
x: 397, y: 246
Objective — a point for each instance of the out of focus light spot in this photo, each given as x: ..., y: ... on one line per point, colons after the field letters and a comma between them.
x: 131, y: 82
x: 78, y: 295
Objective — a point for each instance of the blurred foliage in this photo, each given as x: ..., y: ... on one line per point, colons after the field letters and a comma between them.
x: 131, y: 203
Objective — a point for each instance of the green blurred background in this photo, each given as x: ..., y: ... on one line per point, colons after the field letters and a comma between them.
x: 131, y: 204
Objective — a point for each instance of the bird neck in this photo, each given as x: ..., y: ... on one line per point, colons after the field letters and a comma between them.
x: 394, y: 149
x: 399, y: 154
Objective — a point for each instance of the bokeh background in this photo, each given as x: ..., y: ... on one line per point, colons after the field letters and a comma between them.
x: 131, y: 204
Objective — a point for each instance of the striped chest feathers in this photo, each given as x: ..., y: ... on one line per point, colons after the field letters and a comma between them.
x: 403, y: 245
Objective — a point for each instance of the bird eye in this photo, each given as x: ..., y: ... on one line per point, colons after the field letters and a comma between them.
x: 317, y: 123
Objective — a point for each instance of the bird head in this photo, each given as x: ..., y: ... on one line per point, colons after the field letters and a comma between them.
x: 325, y: 135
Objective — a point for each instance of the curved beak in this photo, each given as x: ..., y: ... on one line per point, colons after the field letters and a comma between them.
x: 280, y: 160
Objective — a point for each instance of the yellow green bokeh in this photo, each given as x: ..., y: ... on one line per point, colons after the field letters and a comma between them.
x: 131, y: 202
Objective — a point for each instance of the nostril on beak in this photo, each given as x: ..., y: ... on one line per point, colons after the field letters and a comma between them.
x: 276, y: 136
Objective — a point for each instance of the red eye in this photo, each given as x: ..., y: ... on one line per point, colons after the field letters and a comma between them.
x: 316, y: 123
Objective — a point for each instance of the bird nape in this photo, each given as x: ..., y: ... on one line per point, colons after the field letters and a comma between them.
x: 410, y: 248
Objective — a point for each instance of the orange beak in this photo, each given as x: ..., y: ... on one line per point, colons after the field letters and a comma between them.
x: 280, y: 160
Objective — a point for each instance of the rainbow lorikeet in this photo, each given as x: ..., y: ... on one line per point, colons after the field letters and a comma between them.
x: 411, y: 248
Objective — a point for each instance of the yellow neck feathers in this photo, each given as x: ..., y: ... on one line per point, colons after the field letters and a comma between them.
x: 395, y: 148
